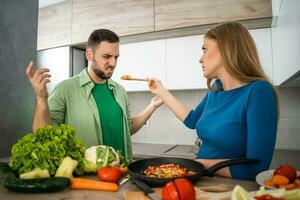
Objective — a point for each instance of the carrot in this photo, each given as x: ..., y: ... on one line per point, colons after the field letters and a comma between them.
x: 269, y: 182
x: 89, y: 184
x: 280, y: 180
x: 124, y: 170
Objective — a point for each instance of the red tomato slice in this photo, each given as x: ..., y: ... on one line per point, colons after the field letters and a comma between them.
x: 179, y: 189
x: 170, y: 192
x: 185, y: 188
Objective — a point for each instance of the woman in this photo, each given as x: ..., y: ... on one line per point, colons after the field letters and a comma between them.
x: 238, y: 116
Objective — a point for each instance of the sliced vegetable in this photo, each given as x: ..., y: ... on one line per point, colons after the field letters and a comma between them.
x: 287, y: 171
x: 280, y: 193
x: 36, y: 173
x: 41, y: 185
x: 66, y: 168
x: 179, y: 189
x: 239, y: 193
x: 89, y: 184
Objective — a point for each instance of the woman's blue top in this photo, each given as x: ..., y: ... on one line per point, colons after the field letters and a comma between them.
x: 239, y: 123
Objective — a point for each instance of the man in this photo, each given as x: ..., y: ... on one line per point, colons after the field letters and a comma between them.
x: 91, y: 102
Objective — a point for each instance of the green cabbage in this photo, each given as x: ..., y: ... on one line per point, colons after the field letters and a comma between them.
x: 46, y: 149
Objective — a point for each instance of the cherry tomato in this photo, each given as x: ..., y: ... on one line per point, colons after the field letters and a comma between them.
x: 287, y: 171
x: 179, y: 189
x: 109, y: 174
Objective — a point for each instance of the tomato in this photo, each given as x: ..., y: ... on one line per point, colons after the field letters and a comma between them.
x: 287, y: 171
x: 109, y: 174
x: 179, y: 189
x: 170, y: 192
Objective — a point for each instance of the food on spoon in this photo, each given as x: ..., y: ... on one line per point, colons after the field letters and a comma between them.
x: 167, y: 171
x: 126, y: 77
x: 287, y: 171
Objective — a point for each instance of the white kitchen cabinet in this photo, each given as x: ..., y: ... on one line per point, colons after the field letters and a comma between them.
x: 286, y: 41
x: 142, y: 60
x: 182, y: 59
x: 183, y: 54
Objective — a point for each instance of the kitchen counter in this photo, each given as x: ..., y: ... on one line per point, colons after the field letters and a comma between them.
x: 128, y: 186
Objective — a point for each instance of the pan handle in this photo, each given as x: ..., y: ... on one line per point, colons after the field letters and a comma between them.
x: 210, y: 171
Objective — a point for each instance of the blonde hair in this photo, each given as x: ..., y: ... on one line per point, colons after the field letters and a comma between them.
x: 238, y: 52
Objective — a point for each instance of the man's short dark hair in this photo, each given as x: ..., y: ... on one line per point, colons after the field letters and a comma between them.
x: 100, y: 35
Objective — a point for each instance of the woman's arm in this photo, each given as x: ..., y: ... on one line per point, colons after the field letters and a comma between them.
x: 178, y: 108
x: 261, y: 123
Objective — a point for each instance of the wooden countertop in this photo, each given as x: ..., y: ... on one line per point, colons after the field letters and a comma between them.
x: 128, y: 186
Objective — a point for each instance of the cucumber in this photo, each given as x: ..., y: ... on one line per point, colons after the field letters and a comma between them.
x: 41, y: 185
x: 6, y: 170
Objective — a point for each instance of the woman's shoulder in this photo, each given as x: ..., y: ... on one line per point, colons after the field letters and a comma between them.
x: 261, y: 85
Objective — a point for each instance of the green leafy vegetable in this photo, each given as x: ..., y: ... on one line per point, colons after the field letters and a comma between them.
x: 102, y: 156
x: 46, y: 149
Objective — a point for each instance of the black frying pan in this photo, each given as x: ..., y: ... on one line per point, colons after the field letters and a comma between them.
x: 137, y: 168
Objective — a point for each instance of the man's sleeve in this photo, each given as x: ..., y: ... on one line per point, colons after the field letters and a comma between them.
x: 57, y: 106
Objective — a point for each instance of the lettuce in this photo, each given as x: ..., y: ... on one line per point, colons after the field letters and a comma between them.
x: 46, y: 149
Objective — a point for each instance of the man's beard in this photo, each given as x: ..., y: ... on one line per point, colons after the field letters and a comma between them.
x: 100, y: 73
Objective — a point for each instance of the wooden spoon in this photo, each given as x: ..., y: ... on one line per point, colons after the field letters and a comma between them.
x: 129, y: 78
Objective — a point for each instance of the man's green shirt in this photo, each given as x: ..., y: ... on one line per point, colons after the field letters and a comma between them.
x: 110, y: 114
x: 72, y: 102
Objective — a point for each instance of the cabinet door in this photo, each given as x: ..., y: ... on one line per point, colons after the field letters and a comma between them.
x: 286, y: 42
x: 122, y: 16
x: 170, y: 14
x: 54, y: 25
x: 263, y: 41
x: 142, y: 60
x: 182, y: 61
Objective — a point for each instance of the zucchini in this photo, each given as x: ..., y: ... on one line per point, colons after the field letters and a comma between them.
x: 41, y: 185
x: 6, y: 170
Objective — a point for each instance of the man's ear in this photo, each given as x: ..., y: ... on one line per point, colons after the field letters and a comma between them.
x: 89, y: 54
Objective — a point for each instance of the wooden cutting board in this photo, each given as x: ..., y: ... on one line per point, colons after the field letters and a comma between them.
x: 200, y: 195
